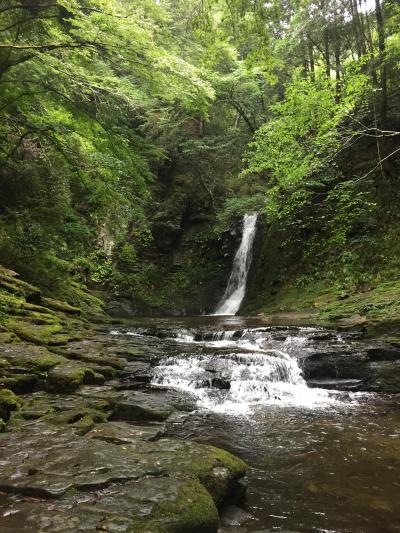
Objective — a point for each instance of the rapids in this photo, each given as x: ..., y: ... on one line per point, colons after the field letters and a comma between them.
x: 319, y: 460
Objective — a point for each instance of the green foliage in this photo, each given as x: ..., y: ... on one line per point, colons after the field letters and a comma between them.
x: 306, y: 132
x: 77, y: 84
x: 135, y: 134
x: 236, y: 207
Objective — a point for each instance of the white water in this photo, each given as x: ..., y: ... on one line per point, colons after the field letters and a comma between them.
x: 260, y: 372
x: 236, y: 288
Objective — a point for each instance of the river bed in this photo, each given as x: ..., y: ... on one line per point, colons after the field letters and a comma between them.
x: 318, y: 460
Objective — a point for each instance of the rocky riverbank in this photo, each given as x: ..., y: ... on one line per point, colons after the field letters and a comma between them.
x: 86, y: 441
x: 83, y: 444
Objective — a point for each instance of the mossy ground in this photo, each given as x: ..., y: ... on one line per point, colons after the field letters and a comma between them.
x: 376, y: 306
x: 30, y: 323
x: 33, y: 317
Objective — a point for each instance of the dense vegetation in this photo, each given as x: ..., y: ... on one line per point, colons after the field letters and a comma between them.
x: 135, y: 134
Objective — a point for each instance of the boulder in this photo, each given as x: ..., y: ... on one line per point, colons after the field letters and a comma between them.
x: 68, y: 377
x: 136, y: 406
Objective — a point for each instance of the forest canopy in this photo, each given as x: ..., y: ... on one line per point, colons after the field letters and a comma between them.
x: 259, y: 105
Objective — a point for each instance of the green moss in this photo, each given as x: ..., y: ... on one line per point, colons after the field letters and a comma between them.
x: 47, y: 361
x: 78, y: 296
x: 133, y: 352
x: 2, y: 425
x: 66, y: 378
x: 38, y: 334
x: 63, y: 307
x: 4, y: 363
x: 192, y: 512
x: 18, y: 287
x: 8, y: 402
x: 7, y: 337
x: 374, y: 305
x: 20, y: 383
x: 218, y: 470
x: 82, y: 419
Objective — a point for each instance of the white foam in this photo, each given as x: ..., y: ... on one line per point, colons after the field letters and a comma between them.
x: 236, y: 287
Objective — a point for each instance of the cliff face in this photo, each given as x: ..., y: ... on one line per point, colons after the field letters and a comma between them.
x: 336, y: 255
x: 183, y: 266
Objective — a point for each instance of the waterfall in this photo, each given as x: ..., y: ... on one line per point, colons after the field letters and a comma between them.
x: 239, y: 371
x: 236, y: 288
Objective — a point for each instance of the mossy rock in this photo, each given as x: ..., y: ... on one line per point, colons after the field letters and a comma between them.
x: 82, y: 420
x: 18, y: 287
x: 222, y: 472
x: 218, y: 470
x: 38, y: 334
x: 68, y: 377
x: 8, y: 402
x: 20, y: 383
x: 90, y: 354
x: 62, y: 307
x: 7, y: 337
x: 33, y: 358
x: 192, y: 511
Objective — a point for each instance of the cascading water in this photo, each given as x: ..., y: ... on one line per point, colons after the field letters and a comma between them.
x: 236, y: 287
x: 238, y: 371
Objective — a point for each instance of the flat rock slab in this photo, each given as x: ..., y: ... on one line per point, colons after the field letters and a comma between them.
x: 123, y: 433
x: 137, y: 406
x: 29, y: 356
x: 68, y: 377
x: 335, y: 384
x: 117, y: 477
x: 40, y: 469
x: 152, y: 505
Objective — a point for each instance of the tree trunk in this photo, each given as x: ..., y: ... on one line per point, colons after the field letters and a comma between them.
x: 338, y: 68
x: 382, y: 60
x: 311, y: 60
x: 327, y: 54
x: 355, y: 20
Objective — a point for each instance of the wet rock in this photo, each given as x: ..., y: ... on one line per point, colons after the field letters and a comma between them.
x: 370, y: 367
x: 336, y: 384
x: 137, y: 371
x: 137, y: 406
x: 233, y: 516
x: 9, y: 402
x: 67, y: 462
x: 221, y: 383
x: 116, y: 478
x: 156, y: 505
x: 91, y: 351
x: 385, y: 377
x: 123, y: 433
x: 334, y: 364
x: 383, y: 352
x: 65, y: 378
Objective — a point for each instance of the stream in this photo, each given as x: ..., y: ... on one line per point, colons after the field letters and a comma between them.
x: 319, y: 459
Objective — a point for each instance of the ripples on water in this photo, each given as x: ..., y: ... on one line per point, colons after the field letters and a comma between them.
x: 318, y: 460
